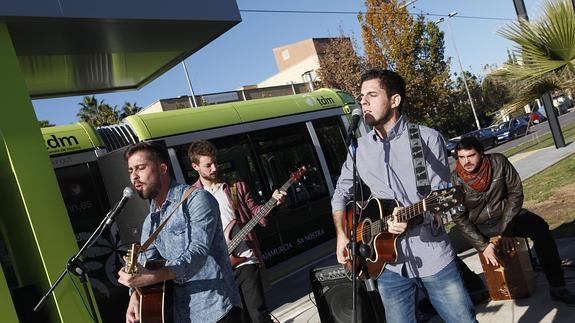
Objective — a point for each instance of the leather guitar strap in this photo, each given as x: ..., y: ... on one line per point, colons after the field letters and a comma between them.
x: 419, y: 164
x: 153, y: 236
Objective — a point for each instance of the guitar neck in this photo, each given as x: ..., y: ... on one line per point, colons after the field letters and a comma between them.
x: 264, y: 210
x: 404, y: 215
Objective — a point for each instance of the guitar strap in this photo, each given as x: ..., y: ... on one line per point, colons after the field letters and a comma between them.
x: 420, y: 169
x: 418, y: 158
x: 153, y: 236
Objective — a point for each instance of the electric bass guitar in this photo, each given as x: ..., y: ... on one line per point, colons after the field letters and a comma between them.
x: 236, y: 234
x: 155, y: 300
x: 377, y: 245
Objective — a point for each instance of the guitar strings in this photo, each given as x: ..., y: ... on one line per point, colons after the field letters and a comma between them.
x: 377, y: 224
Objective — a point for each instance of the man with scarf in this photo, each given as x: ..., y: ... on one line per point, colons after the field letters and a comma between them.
x: 493, y: 202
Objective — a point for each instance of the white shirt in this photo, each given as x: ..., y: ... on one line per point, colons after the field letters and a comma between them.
x: 227, y: 215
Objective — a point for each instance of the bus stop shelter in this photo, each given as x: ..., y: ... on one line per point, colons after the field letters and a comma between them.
x: 52, y: 48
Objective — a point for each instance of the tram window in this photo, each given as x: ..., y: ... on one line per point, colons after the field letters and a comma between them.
x: 235, y: 162
x: 331, y: 135
x: 281, y: 151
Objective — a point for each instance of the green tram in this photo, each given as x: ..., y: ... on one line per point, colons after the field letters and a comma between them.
x: 259, y: 141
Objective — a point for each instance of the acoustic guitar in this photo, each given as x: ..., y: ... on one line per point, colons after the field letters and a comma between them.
x: 155, y: 300
x: 235, y: 234
x: 372, y: 229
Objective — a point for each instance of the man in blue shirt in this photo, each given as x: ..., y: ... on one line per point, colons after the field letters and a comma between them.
x: 384, y: 163
x: 192, y: 243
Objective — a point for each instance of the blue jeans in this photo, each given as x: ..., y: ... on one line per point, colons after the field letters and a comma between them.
x: 445, y: 289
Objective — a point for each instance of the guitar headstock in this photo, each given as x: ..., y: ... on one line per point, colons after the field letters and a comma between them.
x: 444, y: 199
x: 295, y: 176
x: 131, y: 266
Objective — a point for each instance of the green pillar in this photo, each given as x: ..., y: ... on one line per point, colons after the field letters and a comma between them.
x: 34, y: 220
x: 6, y: 305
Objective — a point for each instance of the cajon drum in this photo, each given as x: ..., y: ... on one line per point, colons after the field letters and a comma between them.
x: 513, y: 278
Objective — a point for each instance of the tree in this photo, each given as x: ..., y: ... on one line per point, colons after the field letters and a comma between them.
x: 495, y: 94
x: 340, y: 66
x: 129, y: 109
x: 547, y: 50
x: 393, y: 39
x: 45, y: 124
x: 97, y: 113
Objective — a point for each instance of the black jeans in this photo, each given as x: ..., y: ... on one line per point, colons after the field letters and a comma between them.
x: 529, y: 225
x: 233, y: 316
x: 248, y: 279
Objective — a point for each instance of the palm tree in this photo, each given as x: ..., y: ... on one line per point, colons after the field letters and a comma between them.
x: 45, y: 123
x: 129, y: 109
x: 97, y: 113
x: 547, y: 51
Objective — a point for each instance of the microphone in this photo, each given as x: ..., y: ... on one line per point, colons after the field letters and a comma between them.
x: 126, y: 195
x: 355, y: 117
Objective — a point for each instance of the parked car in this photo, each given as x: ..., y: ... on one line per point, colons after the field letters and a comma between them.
x: 562, y: 104
x: 511, y: 129
x: 450, y: 145
x: 486, y: 136
x: 535, y: 117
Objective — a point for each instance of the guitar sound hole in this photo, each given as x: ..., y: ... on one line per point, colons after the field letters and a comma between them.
x: 366, y: 232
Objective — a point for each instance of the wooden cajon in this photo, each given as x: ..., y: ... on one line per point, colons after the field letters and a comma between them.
x: 514, y: 277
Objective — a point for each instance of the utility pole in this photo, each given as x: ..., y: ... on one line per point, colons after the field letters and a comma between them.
x: 192, y: 98
x: 451, y: 14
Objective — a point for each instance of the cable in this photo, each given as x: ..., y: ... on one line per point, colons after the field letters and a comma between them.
x: 81, y: 297
x: 323, y: 12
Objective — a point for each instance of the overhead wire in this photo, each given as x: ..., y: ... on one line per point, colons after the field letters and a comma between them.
x: 328, y: 12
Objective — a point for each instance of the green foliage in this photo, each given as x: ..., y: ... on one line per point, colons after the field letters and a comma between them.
x: 547, y: 49
x: 394, y: 39
x: 97, y: 113
x: 129, y: 109
x: 45, y: 123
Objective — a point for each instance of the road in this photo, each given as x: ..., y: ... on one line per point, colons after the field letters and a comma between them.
x: 535, y: 132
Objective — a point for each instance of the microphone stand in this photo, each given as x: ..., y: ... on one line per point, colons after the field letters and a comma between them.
x: 352, y: 236
x: 76, y: 267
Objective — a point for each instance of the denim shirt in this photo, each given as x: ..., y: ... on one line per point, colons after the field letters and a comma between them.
x: 386, y: 167
x: 193, y: 245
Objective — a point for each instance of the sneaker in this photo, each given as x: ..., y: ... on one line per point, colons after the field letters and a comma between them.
x: 562, y: 294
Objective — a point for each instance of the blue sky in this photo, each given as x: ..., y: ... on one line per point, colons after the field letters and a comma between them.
x: 243, y: 55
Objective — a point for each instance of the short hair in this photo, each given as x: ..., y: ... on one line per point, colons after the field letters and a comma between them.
x: 200, y: 148
x: 157, y: 152
x: 468, y: 143
x: 389, y: 80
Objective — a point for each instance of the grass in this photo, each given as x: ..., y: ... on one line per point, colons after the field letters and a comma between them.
x: 551, y: 193
x: 542, y: 142
x: 540, y: 187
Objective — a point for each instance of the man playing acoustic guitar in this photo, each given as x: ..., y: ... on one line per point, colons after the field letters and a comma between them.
x: 236, y: 203
x: 191, y: 242
x: 384, y: 163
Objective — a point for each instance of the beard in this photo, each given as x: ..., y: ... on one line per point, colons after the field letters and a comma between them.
x: 210, y: 177
x: 372, y: 122
x: 151, y: 190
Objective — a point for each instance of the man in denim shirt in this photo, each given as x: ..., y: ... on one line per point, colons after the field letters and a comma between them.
x: 192, y: 244
x: 384, y: 163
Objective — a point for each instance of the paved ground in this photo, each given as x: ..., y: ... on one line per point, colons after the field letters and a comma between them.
x: 292, y: 300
